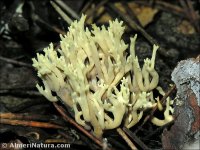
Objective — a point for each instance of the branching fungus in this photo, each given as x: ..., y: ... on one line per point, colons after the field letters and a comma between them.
x: 95, y: 75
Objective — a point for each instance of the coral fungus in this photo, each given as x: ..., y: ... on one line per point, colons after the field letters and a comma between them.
x: 94, y: 73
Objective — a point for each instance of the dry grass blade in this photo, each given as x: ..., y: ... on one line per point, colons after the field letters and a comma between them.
x: 61, y: 13
x: 67, y: 9
x: 86, y: 6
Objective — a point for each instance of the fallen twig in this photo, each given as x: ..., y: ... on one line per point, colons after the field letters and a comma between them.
x: 125, y: 137
x: 131, y: 13
x: 30, y: 123
x: 27, y: 116
x: 71, y: 121
x: 132, y: 24
x: 135, y: 138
